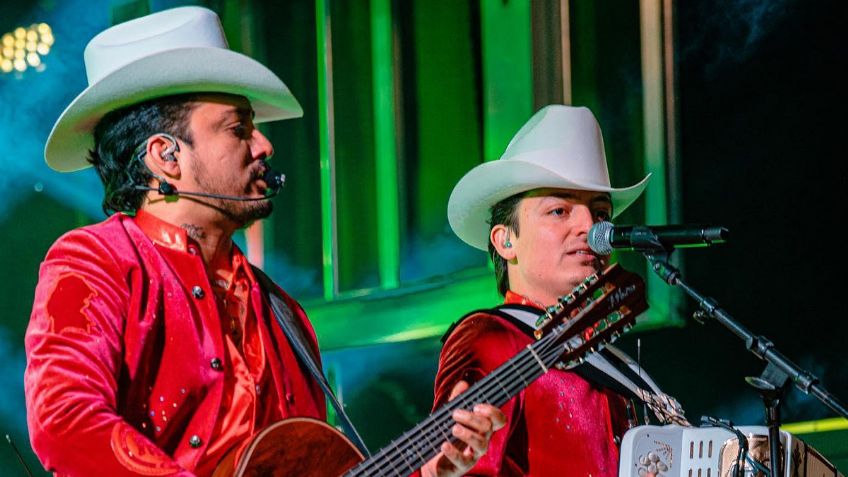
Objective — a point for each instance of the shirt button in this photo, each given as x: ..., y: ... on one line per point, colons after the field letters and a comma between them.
x: 192, y: 250
x: 197, y: 291
x: 290, y: 398
x: 216, y: 364
x: 195, y: 441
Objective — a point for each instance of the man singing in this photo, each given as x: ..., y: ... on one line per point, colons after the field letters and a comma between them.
x: 152, y: 347
x: 532, y: 210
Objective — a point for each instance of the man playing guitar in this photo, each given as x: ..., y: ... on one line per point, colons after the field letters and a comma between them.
x: 532, y: 210
x: 152, y: 347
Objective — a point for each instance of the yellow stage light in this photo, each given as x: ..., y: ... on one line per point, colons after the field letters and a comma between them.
x: 24, y: 47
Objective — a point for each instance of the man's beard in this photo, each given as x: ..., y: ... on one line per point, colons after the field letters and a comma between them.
x: 240, y: 212
x: 244, y: 213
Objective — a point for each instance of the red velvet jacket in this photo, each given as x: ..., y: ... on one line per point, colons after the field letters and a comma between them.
x: 124, y: 374
x: 560, y: 425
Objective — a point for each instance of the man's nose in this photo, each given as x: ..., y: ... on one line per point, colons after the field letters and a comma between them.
x: 584, y: 218
x: 260, y: 147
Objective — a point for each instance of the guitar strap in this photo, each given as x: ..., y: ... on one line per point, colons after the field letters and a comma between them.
x: 609, y: 367
x: 292, y: 329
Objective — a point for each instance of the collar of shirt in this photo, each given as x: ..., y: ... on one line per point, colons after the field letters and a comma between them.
x: 174, y: 237
x: 163, y: 233
x: 513, y: 298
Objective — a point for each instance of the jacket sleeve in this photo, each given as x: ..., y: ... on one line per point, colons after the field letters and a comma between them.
x: 74, y: 346
x: 476, y: 347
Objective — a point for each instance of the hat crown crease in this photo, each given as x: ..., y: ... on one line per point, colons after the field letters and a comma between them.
x: 123, y: 44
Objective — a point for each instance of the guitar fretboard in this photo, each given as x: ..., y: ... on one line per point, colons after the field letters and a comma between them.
x: 412, y: 449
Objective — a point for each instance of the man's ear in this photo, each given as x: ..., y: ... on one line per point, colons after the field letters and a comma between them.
x: 163, y: 155
x: 501, y: 238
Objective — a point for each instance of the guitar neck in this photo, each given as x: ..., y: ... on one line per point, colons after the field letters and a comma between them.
x: 604, y: 308
x: 411, y: 450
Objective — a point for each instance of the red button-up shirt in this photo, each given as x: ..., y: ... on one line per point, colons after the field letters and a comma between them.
x: 244, y: 409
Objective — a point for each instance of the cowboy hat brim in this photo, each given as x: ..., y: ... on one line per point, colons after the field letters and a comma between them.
x: 469, y: 206
x: 178, y: 71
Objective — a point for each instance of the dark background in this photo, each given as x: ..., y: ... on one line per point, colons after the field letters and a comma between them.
x: 762, y: 102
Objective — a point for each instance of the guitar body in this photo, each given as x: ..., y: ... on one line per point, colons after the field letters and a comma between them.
x: 300, y: 447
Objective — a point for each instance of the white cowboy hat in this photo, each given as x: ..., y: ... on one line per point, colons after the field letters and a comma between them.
x: 559, y: 147
x: 181, y: 50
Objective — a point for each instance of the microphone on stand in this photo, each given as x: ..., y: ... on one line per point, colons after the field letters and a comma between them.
x: 604, y: 237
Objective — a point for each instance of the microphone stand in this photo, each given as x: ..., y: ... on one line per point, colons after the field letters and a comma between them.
x: 779, y: 371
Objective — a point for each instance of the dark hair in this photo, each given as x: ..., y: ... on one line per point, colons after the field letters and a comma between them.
x: 504, y: 212
x: 120, y: 133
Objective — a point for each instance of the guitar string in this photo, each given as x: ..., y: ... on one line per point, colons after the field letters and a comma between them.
x: 551, y: 355
x: 439, y: 423
x: 524, y: 362
x: 515, y: 385
x: 441, y: 419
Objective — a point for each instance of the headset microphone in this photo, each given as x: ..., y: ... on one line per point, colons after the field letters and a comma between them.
x: 273, y: 179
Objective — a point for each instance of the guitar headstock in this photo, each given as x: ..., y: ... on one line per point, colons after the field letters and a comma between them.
x: 596, y: 312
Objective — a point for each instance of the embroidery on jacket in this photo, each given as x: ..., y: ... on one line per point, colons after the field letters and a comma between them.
x: 68, y: 302
x: 138, y: 454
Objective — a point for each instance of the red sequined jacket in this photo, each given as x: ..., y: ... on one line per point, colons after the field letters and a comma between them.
x: 560, y: 425
x: 124, y: 374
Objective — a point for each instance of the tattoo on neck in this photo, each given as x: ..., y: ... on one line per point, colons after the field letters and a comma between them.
x: 194, y: 231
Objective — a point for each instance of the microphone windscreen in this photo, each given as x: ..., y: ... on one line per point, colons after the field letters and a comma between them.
x: 600, y: 238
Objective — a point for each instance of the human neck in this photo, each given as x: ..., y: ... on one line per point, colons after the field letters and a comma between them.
x: 542, y: 294
x: 204, y: 225
x: 539, y: 297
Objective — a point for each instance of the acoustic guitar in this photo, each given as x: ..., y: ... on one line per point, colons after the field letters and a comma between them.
x: 593, y: 314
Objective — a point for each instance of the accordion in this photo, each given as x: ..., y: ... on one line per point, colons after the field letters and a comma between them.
x: 676, y: 451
